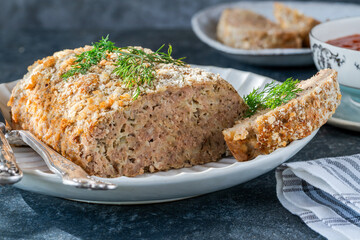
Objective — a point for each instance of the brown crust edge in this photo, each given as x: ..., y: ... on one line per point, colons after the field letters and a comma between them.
x: 295, y: 120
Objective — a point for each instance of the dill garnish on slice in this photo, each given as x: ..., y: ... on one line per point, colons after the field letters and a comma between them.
x: 134, y: 66
x: 273, y: 95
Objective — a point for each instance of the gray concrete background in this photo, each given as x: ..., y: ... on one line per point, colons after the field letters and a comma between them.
x: 101, y: 14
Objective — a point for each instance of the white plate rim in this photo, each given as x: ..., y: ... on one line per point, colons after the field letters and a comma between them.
x: 346, y: 124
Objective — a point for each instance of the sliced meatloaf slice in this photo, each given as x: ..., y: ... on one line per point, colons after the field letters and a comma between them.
x: 241, y: 28
x: 293, y: 20
x: 92, y: 120
x: 269, y: 130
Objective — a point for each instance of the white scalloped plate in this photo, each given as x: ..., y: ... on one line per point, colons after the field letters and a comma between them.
x: 205, y: 21
x: 161, y: 186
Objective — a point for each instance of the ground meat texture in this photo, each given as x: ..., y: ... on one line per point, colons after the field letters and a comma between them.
x: 91, y: 119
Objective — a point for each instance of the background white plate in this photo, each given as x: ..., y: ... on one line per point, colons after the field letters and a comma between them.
x: 161, y: 186
x: 204, y: 25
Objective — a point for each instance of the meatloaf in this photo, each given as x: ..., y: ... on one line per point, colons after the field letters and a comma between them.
x: 241, y: 28
x: 269, y: 130
x: 92, y: 119
x: 292, y: 19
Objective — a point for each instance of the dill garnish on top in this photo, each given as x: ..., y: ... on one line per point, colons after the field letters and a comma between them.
x: 134, y: 66
x: 90, y: 58
x: 273, y: 95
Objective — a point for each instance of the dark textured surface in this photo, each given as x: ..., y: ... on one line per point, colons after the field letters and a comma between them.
x: 247, y: 211
x: 104, y: 14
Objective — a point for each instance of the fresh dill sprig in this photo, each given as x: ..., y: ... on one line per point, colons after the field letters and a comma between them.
x: 90, y: 58
x: 136, y: 67
x: 272, y: 96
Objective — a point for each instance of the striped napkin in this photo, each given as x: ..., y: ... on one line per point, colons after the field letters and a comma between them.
x: 324, y: 193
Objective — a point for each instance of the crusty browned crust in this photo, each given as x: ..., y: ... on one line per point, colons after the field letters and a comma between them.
x: 292, y: 19
x: 271, y: 129
x: 91, y: 119
x: 240, y: 28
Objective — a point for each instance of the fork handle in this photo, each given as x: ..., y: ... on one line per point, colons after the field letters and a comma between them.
x: 67, y: 170
x: 70, y: 173
x: 10, y: 173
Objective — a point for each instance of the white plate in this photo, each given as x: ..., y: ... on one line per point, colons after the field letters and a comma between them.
x: 204, y: 25
x: 347, y: 115
x: 162, y: 186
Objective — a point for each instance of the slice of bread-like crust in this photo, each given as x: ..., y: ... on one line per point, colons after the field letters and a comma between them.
x: 240, y: 28
x: 292, y: 19
x: 269, y: 130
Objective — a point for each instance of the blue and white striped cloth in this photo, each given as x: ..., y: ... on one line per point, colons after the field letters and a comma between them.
x: 324, y: 193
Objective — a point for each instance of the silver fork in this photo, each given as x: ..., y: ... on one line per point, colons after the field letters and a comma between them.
x: 10, y: 173
x: 70, y: 173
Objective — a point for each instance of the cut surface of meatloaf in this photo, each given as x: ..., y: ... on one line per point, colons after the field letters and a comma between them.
x: 292, y: 19
x: 240, y: 28
x: 92, y: 120
x: 269, y: 130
